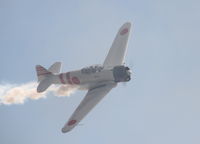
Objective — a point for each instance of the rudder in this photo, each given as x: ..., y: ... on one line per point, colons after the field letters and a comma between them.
x: 41, y: 72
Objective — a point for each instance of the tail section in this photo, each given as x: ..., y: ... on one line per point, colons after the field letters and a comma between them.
x: 44, y: 75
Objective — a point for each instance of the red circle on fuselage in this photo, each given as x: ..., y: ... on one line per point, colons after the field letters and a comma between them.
x: 71, y: 122
x: 75, y: 80
x: 124, y: 31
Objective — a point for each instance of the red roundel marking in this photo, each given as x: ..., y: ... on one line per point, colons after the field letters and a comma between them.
x: 75, y: 80
x: 71, y: 122
x: 41, y: 71
x: 124, y: 31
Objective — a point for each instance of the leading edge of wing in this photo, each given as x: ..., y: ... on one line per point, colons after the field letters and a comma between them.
x: 92, y: 98
x: 117, y: 51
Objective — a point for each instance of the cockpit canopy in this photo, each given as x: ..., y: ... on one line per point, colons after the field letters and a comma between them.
x: 91, y: 69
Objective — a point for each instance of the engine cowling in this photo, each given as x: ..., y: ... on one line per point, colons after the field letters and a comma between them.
x: 121, y: 74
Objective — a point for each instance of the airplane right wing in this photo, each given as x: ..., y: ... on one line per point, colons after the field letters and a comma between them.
x: 93, y: 96
x: 117, y: 51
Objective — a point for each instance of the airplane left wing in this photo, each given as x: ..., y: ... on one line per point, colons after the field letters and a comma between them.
x: 117, y: 51
x: 93, y: 96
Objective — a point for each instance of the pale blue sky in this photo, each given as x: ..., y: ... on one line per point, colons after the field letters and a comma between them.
x: 161, y: 104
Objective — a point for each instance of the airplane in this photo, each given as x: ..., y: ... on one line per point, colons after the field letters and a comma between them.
x: 97, y: 79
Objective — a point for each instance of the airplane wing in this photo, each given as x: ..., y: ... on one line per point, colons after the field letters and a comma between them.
x: 93, y: 96
x: 117, y: 51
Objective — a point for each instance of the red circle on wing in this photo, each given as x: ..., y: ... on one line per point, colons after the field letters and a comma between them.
x: 75, y: 80
x: 124, y: 31
x: 71, y: 122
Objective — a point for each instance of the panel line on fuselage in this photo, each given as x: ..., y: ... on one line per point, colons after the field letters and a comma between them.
x: 68, y: 78
x: 61, y: 78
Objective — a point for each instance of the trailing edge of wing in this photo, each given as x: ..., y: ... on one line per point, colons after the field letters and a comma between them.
x: 117, y: 51
x: 91, y: 99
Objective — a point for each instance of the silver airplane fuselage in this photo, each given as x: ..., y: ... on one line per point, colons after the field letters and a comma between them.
x: 90, y: 77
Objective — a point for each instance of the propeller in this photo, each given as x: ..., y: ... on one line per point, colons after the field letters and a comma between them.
x: 130, y: 67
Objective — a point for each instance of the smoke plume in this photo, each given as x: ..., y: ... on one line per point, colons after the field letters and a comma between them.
x: 19, y: 93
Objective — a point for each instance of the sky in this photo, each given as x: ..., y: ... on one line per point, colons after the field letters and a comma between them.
x: 159, y: 105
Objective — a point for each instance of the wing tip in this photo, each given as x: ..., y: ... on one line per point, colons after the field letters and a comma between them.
x: 64, y: 130
x: 69, y: 126
x: 126, y: 25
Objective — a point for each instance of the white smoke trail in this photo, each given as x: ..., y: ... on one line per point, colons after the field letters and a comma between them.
x: 19, y: 93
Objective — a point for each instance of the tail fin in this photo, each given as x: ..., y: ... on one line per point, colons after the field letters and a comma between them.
x: 42, y: 72
x: 44, y: 75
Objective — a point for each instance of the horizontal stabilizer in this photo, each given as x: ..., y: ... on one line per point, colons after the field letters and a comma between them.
x: 55, y: 68
x: 44, y: 84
